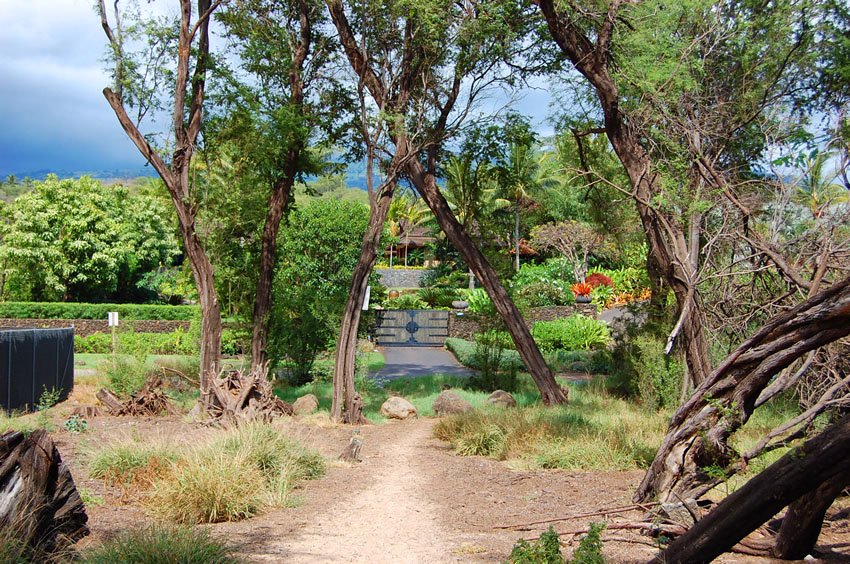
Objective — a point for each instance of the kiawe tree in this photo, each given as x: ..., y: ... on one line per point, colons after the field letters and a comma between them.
x: 178, y: 63
x: 424, y: 65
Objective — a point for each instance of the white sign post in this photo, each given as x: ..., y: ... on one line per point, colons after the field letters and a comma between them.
x: 112, y: 318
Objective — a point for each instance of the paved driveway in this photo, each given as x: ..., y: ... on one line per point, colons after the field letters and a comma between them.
x: 409, y: 362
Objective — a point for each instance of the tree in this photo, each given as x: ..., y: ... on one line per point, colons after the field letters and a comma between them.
x: 189, y: 45
x: 275, y: 104
x: 77, y: 240
x: 318, y: 253
x: 428, y: 54
x: 572, y: 239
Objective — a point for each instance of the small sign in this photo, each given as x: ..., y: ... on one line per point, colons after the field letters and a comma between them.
x: 365, y: 306
x: 113, y: 318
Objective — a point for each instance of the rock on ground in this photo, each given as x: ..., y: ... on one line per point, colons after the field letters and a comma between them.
x: 501, y: 398
x: 450, y: 403
x: 305, y: 405
x: 398, y: 408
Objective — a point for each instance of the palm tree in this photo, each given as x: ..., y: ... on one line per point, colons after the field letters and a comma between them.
x: 818, y: 190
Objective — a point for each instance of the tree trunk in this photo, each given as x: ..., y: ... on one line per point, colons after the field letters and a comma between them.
x: 278, y: 201
x: 803, y: 521
x: 516, y: 237
x: 425, y: 183
x: 698, y: 434
x: 346, y: 346
x: 799, y: 472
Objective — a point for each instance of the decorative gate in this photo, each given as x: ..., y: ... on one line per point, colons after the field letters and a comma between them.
x: 412, y: 327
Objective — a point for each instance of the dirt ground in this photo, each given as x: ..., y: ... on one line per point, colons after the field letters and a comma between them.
x: 410, y: 500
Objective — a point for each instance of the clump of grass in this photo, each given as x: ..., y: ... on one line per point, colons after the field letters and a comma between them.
x: 234, y: 476
x: 132, y: 463
x: 185, y: 545
x: 592, y: 432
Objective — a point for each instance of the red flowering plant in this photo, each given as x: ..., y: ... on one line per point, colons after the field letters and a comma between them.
x: 581, y: 289
x: 598, y: 279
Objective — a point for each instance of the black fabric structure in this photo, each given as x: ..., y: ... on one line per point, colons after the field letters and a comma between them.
x: 32, y: 361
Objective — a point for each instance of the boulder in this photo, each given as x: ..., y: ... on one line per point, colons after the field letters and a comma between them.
x: 501, y: 398
x: 305, y: 405
x: 450, y: 403
x: 398, y: 408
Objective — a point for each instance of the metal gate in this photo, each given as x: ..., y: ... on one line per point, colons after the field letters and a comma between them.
x: 412, y: 327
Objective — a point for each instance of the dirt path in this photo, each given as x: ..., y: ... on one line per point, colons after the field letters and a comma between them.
x: 392, y: 520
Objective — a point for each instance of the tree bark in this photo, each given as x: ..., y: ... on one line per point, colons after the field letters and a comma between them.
x: 277, y: 204
x: 796, y: 474
x: 176, y: 175
x: 346, y: 346
x: 699, y: 430
x: 803, y: 521
x: 425, y: 182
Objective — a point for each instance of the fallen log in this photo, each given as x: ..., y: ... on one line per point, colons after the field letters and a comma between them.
x: 40, y: 506
x: 150, y: 400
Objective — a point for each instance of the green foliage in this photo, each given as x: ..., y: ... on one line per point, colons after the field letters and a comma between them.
x: 405, y: 301
x: 178, y: 342
x: 539, y: 294
x: 490, y: 349
x: 479, y: 302
x: 131, y: 462
x: 78, y: 240
x: 576, y: 332
x: 48, y: 398
x: 438, y: 297
x: 126, y: 312
x: 465, y: 352
x: 659, y: 376
x: 589, y: 549
x: 169, y: 543
x: 76, y: 424
x: 318, y: 251
x: 545, y: 550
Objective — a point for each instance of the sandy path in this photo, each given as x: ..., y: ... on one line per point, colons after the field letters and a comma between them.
x: 392, y: 520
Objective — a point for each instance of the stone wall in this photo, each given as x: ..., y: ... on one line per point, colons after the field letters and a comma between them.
x: 400, y: 278
x: 467, y: 325
x: 86, y: 327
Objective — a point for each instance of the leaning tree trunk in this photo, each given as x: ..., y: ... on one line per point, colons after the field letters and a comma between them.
x: 268, y: 252
x: 425, y: 183
x: 796, y: 474
x: 343, y: 407
x: 700, y: 429
x: 803, y: 521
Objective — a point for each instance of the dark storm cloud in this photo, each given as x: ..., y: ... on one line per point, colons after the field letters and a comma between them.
x: 52, y: 113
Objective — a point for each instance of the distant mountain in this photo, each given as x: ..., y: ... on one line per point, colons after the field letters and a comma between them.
x: 113, y: 174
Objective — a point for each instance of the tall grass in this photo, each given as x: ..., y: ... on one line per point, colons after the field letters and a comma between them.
x: 184, y: 545
x: 229, y: 477
x: 592, y: 432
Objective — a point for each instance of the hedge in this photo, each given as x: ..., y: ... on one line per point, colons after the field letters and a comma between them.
x: 465, y: 353
x: 68, y: 310
x: 176, y: 342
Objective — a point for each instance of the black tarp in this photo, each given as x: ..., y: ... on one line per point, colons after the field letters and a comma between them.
x: 33, y: 361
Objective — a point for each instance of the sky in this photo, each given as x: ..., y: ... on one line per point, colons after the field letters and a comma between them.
x: 53, y: 116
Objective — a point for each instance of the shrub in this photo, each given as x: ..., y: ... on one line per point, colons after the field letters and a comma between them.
x: 405, y: 301
x: 545, y: 550
x: 437, y: 297
x: 126, y: 463
x: 557, y: 271
x: 73, y: 310
x: 186, y: 545
x: 465, y: 352
x: 479, y: 302
x: 589, y: 549
x: 177, y: 342
x: 659, y: 376
x: 576, y: 332
x: 541, y: 294
x: 235, y: 476
x: 598, y: 279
